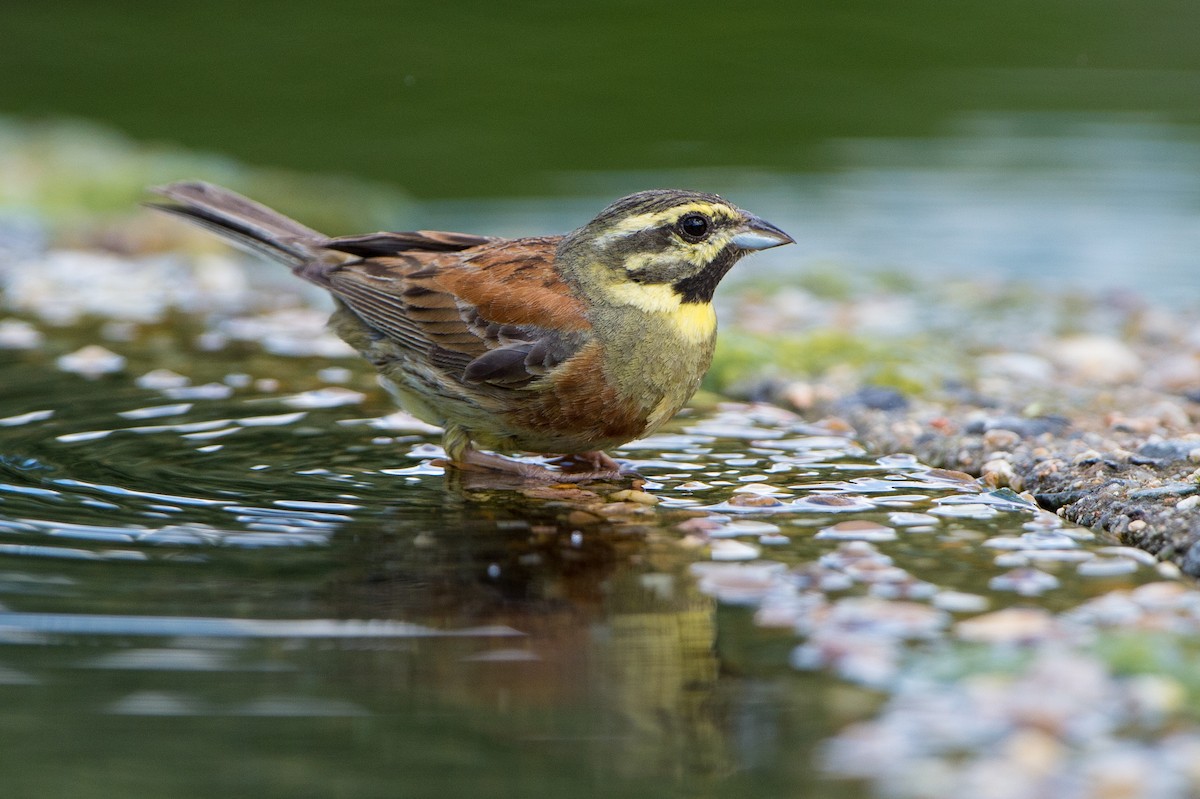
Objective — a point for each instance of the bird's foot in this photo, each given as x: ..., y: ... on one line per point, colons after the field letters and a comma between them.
x: 596, y: 462
x: 577, y: 468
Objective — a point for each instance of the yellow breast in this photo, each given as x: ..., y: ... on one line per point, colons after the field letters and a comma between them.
x: 692, y: 321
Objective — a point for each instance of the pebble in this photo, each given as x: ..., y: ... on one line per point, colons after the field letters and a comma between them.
x: 1096, y: 359
x: 1024, y: 581
x: 966, y: 511
x: 856, y: 530
x: 328, y: 397
x: 631, y: 495
x: 761, y: 489
x: 17, y: 334
x: 91, y: 361
x: 831, y: 503
x: 1107, y: 567
x: 739, y: 583
x: 729, y: 549
x: 1188, y: 503
x: 907, y: 519
x: 1008, y: 626
x: 335, y: 374
x: 754, y: 501
x: 960, y: 602
x: 739, y: 527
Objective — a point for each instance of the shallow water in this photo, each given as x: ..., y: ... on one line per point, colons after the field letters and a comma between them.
x: 230, y: 585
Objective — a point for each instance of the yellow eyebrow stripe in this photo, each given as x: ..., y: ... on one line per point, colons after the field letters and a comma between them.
x: 633, y: 224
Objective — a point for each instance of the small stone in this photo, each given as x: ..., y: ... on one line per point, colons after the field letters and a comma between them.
x: 579, y: 518
x: 1188, y: 503
x: 908, y: 519
x: 762, y: 489
x: 1001, y: 439
x: 630, y: 495
x: 1035, y: 752
x: 1025, y: 581
x: 335, y: 374
x: 1097, y: 359
x: 1008, y: 626
x: 16, y: 334
x: 328, y: 397
x: 1161, y: 595
x: 1132, y: 553
x: 1156, y: 696
x: 1107, y: 567
x: 960, y: 602
x: 1137, y: 525
x: 832, y: 503
x: 754, y: 501
x: 738, y: 583
x: 856, y: 530
x: 699, y: 524
x: 726, y: 549
x: 999, y: 473
x: 740, y: 527
x: 91, y: 361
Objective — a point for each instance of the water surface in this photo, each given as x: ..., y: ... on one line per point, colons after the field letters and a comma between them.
x: 273, y: 588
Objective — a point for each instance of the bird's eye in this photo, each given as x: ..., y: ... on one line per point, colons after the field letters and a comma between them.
x: 693, y: 227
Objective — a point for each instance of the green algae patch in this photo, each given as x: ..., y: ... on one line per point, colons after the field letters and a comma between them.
x: 744, y: 358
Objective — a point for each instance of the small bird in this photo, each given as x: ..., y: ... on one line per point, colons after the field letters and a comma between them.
x: 565, y: 345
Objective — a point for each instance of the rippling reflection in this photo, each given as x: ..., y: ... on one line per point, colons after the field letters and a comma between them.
x: 265, y: 580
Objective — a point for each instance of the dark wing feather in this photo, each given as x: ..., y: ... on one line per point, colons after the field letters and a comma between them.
x: 372, y: 245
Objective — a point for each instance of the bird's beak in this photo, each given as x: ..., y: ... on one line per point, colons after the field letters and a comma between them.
x: 759, y: 234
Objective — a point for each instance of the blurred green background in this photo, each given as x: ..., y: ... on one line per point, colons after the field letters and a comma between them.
x: 479, y: 99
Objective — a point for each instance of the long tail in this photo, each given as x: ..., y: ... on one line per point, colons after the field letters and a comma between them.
x: 248, y: 224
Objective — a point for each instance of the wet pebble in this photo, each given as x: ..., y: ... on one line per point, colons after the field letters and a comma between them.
x: 1107, y: 567
x: 158, y: 379
x: 328, y: 397
x: 908, y: 519
x: 1009, y: 626
x: 739, y: 583
x: 754, y: 501
x: 729, y: 549
x: 856, y: 530
x: 91, y: 361
x: 960, y: 602
x: 1024, y: 581
x: 1096, y: 359
x: 636, y: 497
x: 831, y: 503
x: 743, y: 527
x: 966, y: 511
x: 17, y: 334
x: 1025, y: 557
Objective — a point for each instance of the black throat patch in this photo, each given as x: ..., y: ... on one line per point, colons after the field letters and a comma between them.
x: 700, y: 287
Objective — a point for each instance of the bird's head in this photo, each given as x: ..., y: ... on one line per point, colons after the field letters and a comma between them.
x: 664, y: 244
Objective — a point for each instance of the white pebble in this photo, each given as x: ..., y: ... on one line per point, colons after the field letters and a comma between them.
x: 16, y: 334
x: 159, y: 379
x: 91, y: 361
x: 728, y: 549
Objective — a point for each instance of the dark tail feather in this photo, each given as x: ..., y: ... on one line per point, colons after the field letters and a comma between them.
x: 248, y: 224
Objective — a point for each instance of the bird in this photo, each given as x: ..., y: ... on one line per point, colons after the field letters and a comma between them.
x: 564, y: 345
